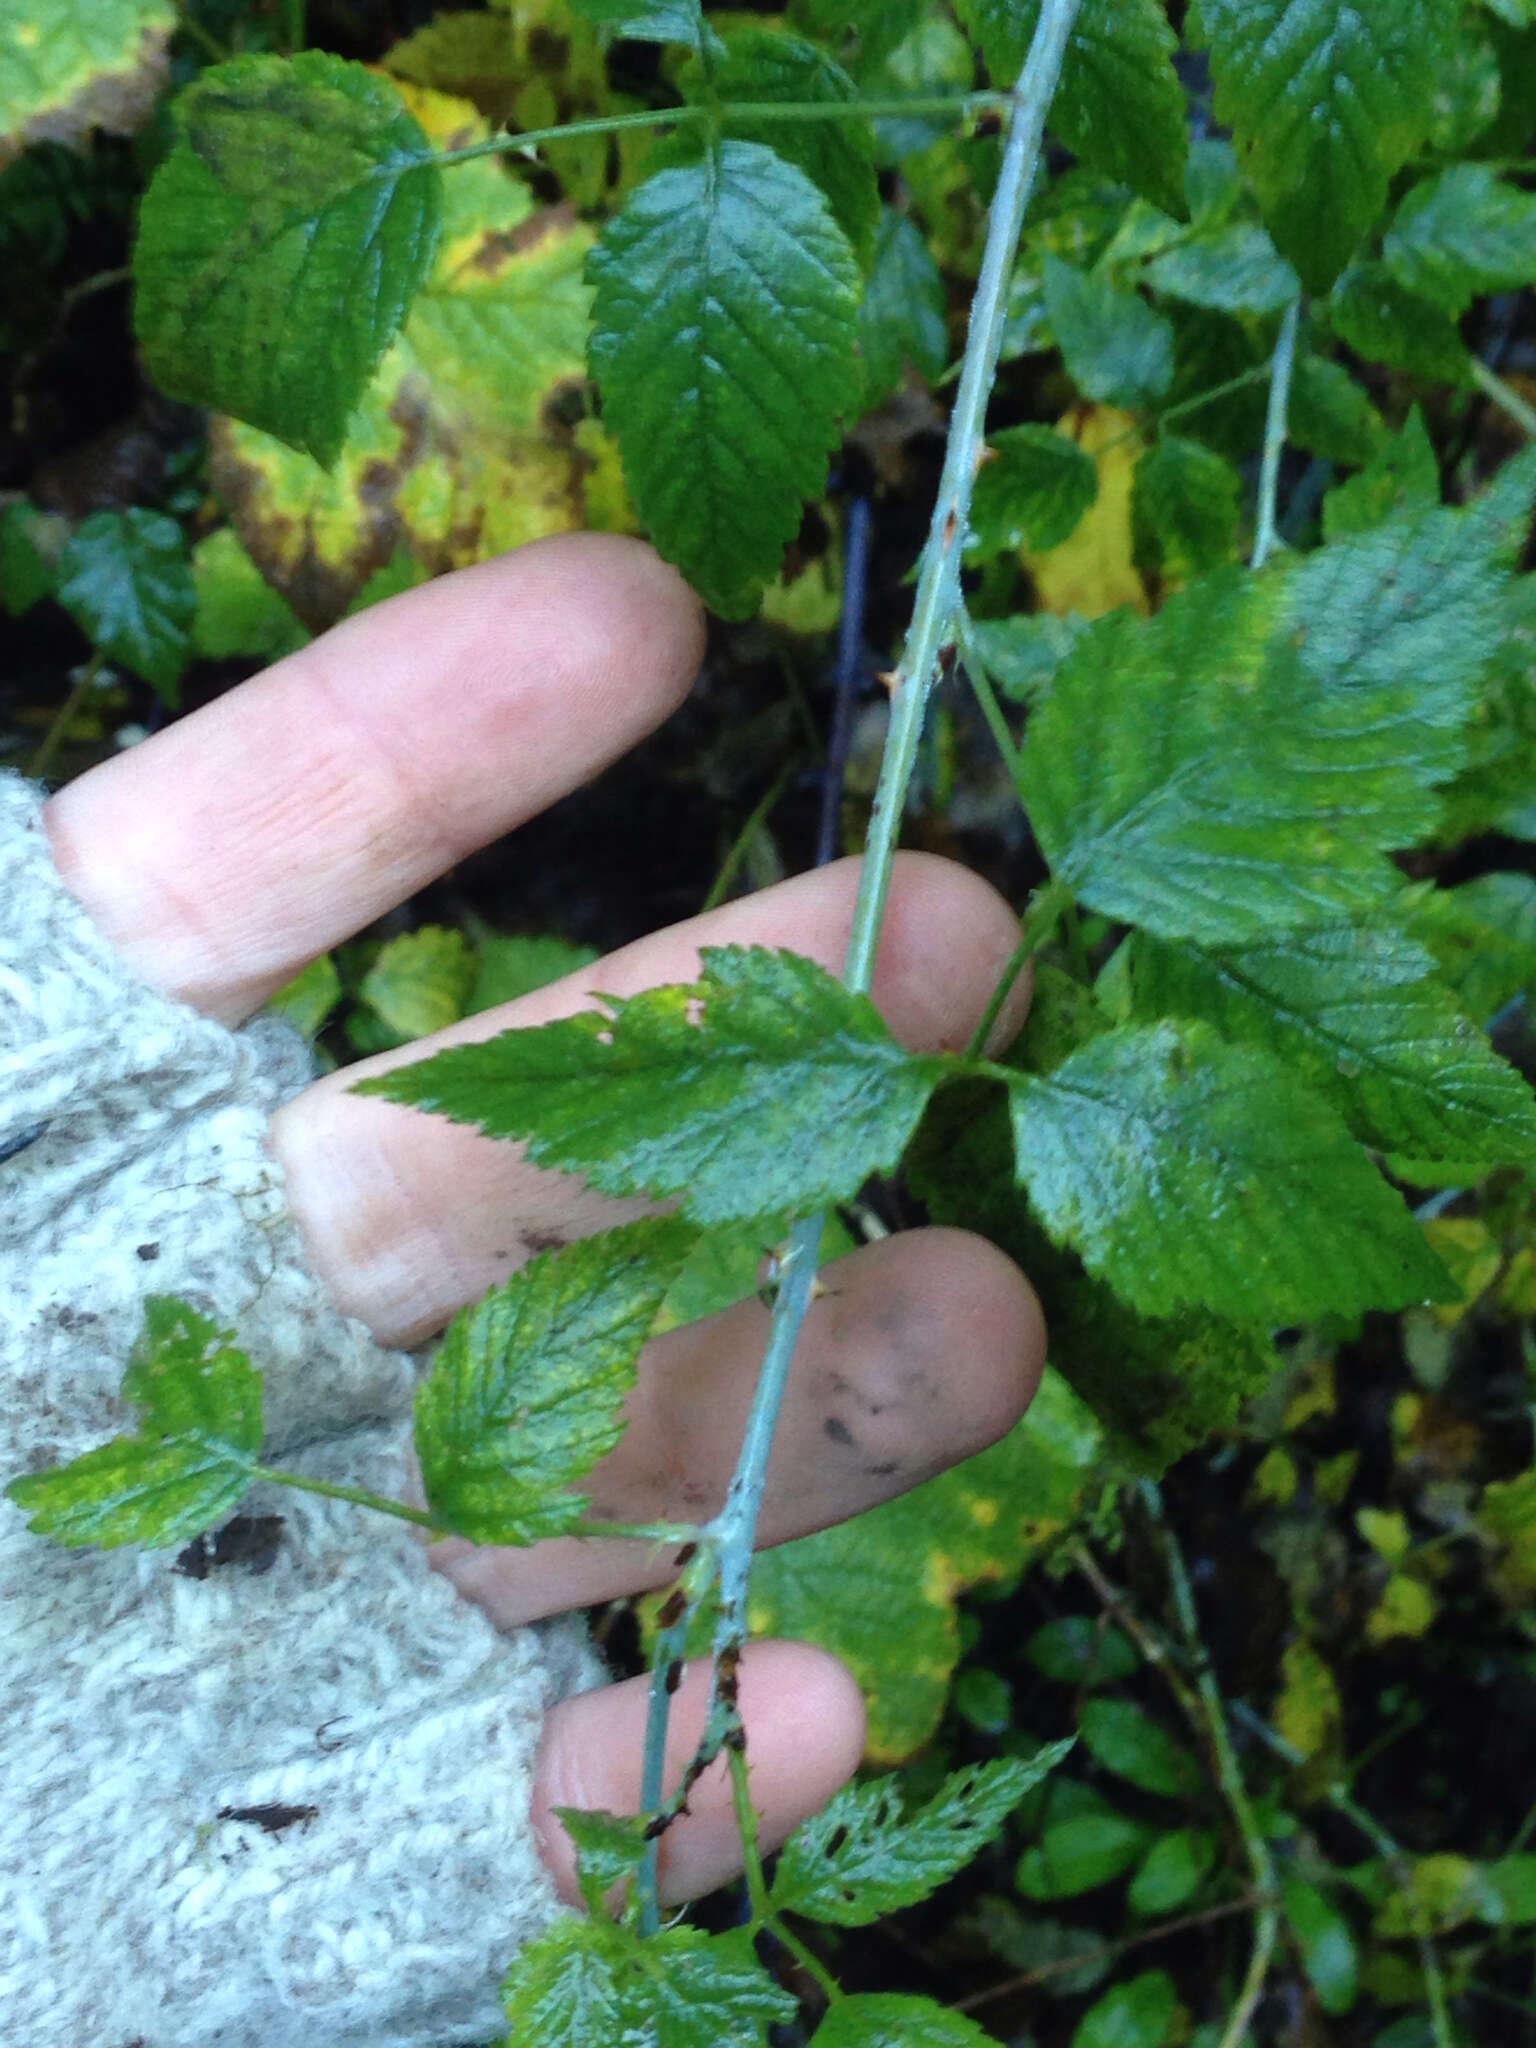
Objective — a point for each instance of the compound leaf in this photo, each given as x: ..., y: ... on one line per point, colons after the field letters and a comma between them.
x: 1120, y: 106
x: 1032, y: 493
x: 1355, y: 1013
x: 724, y: 324
x: 591, y: 1984
x: 524, y: 1394
x: 1115, y: 346
x: 1326, y: 99
x: 1225, y: 793
x: 1461, y: 234
x: 1194, y: 1173
x: 200, y: 1427
x: 65, y: 70
x: 896, y: 2019
x: 126, y: 579
x: 837, y: 156
x: 861, y: 1857
x: 764, y: 1086
x: 282, y: 241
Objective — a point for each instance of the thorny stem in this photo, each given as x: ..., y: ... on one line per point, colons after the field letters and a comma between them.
x: 733, y: 1532
x: 746, y: 1827
x: 1508, y: 400
x: 759, y: 113
x: 1275, y: 425
x: 1260, y: 1862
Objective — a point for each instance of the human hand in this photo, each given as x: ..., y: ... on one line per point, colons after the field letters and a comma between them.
x: 230, y: 849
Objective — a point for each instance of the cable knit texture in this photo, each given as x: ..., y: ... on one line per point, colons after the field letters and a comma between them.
x: 143, y: 1708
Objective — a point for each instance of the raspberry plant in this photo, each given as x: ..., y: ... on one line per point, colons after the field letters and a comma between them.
x: 1256, y: 1049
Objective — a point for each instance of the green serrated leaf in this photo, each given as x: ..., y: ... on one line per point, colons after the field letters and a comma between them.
x: 1460, y: 234
x: 525, y: 1391
x: 1355, y: 1013
x: 1412, y: 611
x: 592, y: 1984
x: 1376, y: 315
x: 1233, y: 267
x: 764, y: 1086
x: 1032, y: 493
x: 307, y: 1000
x: 66, y: 69
x: 1211, y: 743
x: 1402, y: 477
x: 1139, y: 2014
x: 1158, y: 1388
x: 610, y: 1847
x: 1483, y: 934
x: 1126, y: 1740
x: 1172, y: 1871
x: 893, y: 2019
x: 902, y: 320
x: 1326, y: 99
x: 1193, y: 1173
x: 1120, y: 106
x: 200, y: 1427
x: 1184, y: 507
x: 724, y: 324
x: 861, y: 1857
x: 282, y: 241
x: 1328, y: 1953
x: 126, y: 580
x: 837, y: 156
x: 1115, y: 346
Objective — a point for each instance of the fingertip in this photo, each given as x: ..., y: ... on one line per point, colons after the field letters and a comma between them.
x: 947, y: 938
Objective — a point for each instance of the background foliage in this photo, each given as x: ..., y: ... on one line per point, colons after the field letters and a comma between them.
x: 1275, y: 1168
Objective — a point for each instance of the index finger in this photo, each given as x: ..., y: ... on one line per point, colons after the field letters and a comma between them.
x: 230, y: 849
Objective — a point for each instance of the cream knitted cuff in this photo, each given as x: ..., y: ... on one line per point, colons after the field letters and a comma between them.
x: 284, y: 1802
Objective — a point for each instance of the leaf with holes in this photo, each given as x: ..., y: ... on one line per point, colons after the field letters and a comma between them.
x: 862, y: 1857
x: 282, y: 240
x: 764, y: 1086
x: 723, y: 335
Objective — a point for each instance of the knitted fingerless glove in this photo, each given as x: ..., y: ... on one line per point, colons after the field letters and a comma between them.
x: 285, y: 1802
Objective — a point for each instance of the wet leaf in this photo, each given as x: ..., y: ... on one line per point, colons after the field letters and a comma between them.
x: 126, y: 580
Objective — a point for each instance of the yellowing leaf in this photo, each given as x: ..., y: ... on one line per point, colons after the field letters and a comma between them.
x: 1506, y: 1519
x: 65, y: 69
x: 1095, y: 570
x: 1470, y: 1254
x: 1309, y: 1712
x: 1386, y: 1531
x: 463, y: 445
x: 1406, y: 1608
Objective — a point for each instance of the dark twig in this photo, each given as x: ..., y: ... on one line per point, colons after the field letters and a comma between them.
x: 846, y: 678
